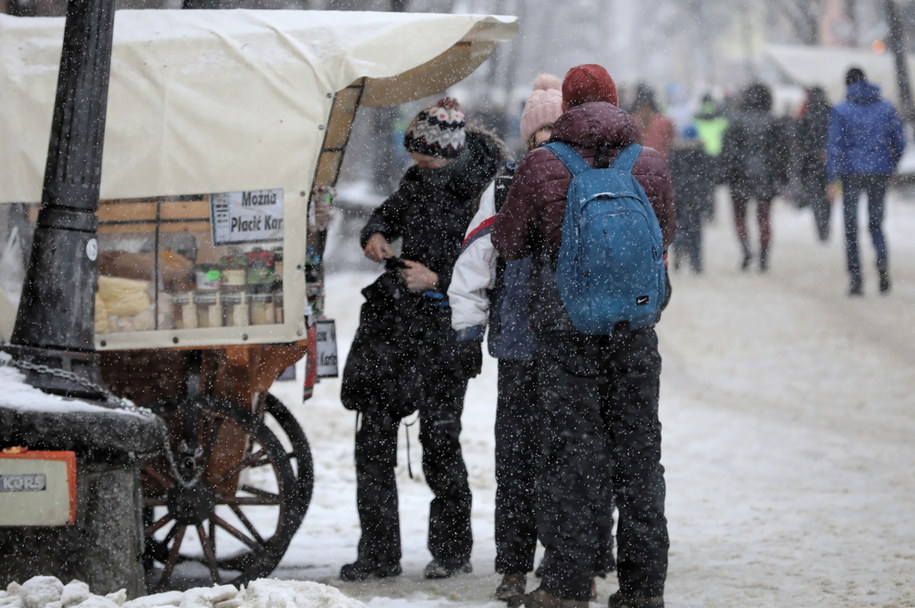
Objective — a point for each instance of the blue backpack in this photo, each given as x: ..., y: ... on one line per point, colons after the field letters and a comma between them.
x: 610, y: 271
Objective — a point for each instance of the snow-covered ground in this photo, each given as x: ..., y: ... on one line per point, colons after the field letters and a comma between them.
x: 788, y: 439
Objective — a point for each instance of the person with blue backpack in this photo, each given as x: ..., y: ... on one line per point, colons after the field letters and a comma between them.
x: 595, y: 212
x: 487, y: 290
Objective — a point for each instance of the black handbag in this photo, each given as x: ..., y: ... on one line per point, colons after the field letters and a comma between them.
x: 382, y: 370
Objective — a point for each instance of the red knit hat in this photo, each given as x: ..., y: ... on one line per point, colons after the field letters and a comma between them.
x: 588, y: 82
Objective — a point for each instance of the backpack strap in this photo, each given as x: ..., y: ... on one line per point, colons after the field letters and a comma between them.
x: 573, y: 161
x: 625, y: 160
x: 569, y: 157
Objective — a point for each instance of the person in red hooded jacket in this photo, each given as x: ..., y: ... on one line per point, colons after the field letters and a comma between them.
x: 598, y: 393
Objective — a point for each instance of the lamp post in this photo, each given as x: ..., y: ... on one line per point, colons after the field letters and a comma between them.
x: 53, y: 338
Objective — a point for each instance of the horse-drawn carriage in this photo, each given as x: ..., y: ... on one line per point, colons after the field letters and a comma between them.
x: 220, y: 126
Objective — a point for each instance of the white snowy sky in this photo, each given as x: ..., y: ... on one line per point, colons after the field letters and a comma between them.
x: 788, y: 439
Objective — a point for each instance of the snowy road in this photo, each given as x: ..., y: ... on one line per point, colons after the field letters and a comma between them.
x: 788, y: 438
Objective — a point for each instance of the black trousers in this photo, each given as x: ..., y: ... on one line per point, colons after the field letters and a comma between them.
x: 450, y: 537
x: 601, y: 433
x: 517, y: 459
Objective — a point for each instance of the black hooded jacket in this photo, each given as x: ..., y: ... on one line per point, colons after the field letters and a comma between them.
x: 432, y: 208
x: 403, y: 336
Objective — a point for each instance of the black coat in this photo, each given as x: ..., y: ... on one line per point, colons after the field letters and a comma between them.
x: 692, y: 173
x: 432, y: 208
x: 755, y: 153
x: 809, y: 151
x: 405, y: 338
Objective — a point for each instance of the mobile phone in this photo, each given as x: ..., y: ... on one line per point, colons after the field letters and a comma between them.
x: 393, y: 263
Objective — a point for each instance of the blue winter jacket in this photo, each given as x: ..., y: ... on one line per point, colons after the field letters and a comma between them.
x: 865, y: 134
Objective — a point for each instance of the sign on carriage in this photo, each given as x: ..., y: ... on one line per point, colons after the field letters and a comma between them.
x: 37, y: 488
x: 252, y: 216
x: 326, y: 339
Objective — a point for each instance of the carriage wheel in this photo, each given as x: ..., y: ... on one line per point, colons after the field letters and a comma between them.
x: 290, y: 434
x: 296, y: 444
x: 231, y: 492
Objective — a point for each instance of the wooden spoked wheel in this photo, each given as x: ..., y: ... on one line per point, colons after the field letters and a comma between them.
x: 290, y: 433
x: 226, y: 504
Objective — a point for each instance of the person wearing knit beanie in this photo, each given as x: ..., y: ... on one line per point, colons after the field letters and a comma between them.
x: 437, y: 131
x: 542, y: 108
x: 588, y: 82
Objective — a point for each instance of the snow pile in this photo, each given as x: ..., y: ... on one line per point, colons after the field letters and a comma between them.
x: 49, y: 592
x: 21, y: 395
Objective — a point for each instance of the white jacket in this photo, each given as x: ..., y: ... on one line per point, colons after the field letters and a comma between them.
x: 474, y: 272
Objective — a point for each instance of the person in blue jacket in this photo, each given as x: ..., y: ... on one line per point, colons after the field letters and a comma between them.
x: 864, y: 144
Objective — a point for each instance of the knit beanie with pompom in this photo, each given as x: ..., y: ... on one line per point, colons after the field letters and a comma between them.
x: 437, y: 131
x: 543, y: 107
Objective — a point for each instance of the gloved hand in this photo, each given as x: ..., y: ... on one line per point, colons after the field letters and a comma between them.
x: 468, y: 356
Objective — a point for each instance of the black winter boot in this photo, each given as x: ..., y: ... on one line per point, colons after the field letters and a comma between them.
x: 362, y: 569
x: 747, y: 258
x: 618, y: 600
x: 885, y: 284
x: 538, y: 598
x: 440, y: 569
x: 855, y: 288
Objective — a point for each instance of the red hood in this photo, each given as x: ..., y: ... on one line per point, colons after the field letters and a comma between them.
x: 597, y: 122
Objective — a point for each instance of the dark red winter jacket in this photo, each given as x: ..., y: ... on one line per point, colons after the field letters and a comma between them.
x: 535, y: 205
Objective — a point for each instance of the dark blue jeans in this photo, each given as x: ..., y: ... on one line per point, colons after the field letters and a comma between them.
x: 875, y: 188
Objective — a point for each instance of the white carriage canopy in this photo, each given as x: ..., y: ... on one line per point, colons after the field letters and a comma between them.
x: 226, y: 100
x: 206, y: 108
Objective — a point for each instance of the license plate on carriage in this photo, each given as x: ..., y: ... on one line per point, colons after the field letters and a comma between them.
x: 37, y: 488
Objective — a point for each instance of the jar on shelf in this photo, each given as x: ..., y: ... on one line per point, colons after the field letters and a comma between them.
x: 259, y: 268
x: 184, y: 310
x: 278, y: 285
x: 234, y: 269
x: 209, y: 276
x: 278, y: 311
x: 259, y: 281
x: 234, y: 308
x: 261, y: 307
x: 209, y: 310
x: 277, y: 268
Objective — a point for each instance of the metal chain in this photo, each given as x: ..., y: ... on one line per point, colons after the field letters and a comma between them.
x: 112, y: 401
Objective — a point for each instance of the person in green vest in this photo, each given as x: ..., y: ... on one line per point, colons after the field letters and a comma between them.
x: 711, y: 123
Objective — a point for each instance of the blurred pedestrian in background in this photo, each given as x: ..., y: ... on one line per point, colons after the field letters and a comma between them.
x: 865, y: 144
x: 692, y: 173
x: 808, y: 160
x: 755, y: 155
x: 657, y: 130
x: 711, y: 123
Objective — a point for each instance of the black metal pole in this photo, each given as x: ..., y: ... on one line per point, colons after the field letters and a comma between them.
x: 897, y: 46
x: 53, y: 338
